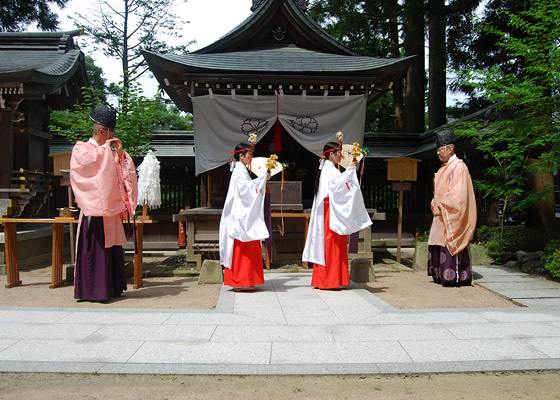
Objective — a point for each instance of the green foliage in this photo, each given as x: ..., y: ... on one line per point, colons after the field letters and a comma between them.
x: 551, y: 257
x: 502, y: 246
x: 137, y: 117
x: 523, y: 140
x: 17, y: 15
x: 484, y: 233
x: 75, y: 125
x: 169, y: 117
x: 135, y: 123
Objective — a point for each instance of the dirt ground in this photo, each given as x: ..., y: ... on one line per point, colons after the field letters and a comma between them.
x: 403, y: 290
x: 475, y: 386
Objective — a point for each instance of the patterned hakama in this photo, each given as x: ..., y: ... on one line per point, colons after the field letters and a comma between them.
x: 447, y: 269
x: 99, y: 273
x: 334, y: 273
x: 246, y: 265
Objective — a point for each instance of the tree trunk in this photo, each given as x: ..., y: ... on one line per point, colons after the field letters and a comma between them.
x: 398, y: 98
x: 415, y: 77
x: 124, y: 100
x: 437, y: 63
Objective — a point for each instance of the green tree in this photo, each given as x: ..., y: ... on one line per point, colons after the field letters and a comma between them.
x: 524, y: 138
x: 136, y: 119
x: 17, y: 15
x: 121, y: 28
x: 471, y: 47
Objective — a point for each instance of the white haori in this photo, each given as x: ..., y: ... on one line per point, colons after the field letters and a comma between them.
x: 243, y: 213
x: 348, y: 212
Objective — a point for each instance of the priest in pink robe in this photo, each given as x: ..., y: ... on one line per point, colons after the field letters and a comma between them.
x: 103, y: 179
x: 454, y: 210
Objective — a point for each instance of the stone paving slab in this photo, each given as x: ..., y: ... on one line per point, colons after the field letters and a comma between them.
x: 530, y: 293
x: 504, y: 330
x: 56, y: 350
x: 338, y: 352
x: 533, y: 284
x: 53, y: 331
x: 496, y: 271
x: 471, y: 350
x: 302, y: 333
x: 155, y: 333
x: 521, y: 314
x: 287, y: 328
x: 548, y: 346
x: 207, y: 353
x: 549, y: 302
x: 368, y: 333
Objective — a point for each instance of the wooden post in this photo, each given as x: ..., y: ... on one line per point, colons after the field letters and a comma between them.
x: 144, y: 209
x: 401, y: 170
x: 57, y: 250
x: 11, y: 252
x: 72, y: 243
x: 138, y: 250
x: 399, y: 229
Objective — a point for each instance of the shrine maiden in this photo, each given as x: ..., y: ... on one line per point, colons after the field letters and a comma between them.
x: 338, y: 210
x: 242, y: 225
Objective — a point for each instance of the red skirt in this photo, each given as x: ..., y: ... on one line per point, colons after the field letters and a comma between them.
x: 335, y: 273
x: 246, y: 265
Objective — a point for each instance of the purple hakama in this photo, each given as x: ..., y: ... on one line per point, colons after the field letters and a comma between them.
x: 447, y: 269
x: 99, y: 273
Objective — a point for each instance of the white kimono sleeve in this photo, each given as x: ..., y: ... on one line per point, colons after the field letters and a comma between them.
x: 348, y: 212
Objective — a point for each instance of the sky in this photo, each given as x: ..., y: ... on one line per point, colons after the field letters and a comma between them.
x: 209, y: 21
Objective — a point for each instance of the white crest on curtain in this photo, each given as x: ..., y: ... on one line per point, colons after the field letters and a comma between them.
x: 222, y: 121
x: 149, y: 190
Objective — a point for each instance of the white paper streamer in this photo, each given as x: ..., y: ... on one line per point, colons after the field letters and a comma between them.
x: 149, y: 190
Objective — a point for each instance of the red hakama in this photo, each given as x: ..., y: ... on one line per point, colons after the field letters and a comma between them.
x: 335, y: 273
x: 246, y: 265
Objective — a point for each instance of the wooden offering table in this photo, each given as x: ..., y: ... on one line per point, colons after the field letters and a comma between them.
x: 202, y: 231
x: 11, y: 252
x: 10, y: 235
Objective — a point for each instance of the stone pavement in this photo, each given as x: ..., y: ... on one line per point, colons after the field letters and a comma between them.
x: 289, y: 328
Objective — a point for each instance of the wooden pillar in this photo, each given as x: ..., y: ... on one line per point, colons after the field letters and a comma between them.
x: 7, y: 140
x: 399, y: 229
x: 57, y: 251
x: 204, y: 190
x: 138, y: 250
x: 11, y: 253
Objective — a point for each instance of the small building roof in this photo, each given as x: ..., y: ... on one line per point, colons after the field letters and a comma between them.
x: 38, y: 64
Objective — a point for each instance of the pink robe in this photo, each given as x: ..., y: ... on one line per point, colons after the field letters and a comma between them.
x: 453, y: 206
x: 105, y: 185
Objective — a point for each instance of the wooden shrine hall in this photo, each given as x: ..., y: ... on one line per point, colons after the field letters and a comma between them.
x: 39, y: 72
x: 280, y: 76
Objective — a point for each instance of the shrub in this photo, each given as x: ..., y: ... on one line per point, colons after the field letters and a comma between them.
x: 551, y: 257
x: 502, y: 247
x: 485, y: 233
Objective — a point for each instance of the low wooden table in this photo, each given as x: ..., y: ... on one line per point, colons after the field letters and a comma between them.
x: 12, y: 259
